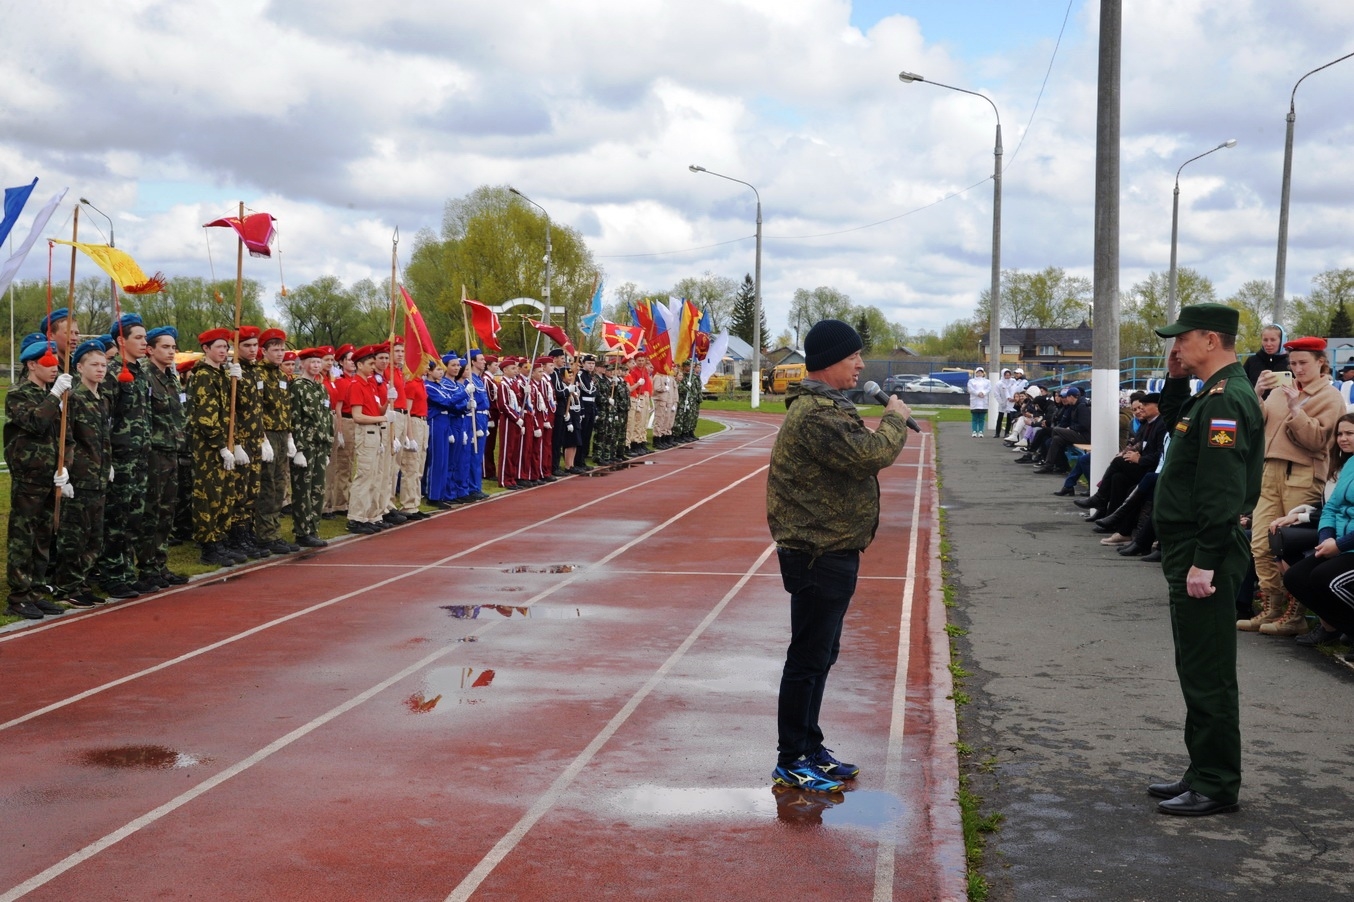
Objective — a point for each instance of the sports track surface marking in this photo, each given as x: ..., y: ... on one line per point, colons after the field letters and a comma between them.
x: 566, y: 693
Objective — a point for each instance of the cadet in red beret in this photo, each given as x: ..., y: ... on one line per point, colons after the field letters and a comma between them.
x: 277, y: 447
x: 214, y: 460
x: 339, y: 474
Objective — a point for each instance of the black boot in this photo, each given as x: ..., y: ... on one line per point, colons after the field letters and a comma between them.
x: 1096, y: 500
x: 1143, y: 534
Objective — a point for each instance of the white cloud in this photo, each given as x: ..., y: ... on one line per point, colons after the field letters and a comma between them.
x: 346, y: 119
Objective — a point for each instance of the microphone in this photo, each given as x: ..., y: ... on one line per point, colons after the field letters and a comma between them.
x: 876, y: 394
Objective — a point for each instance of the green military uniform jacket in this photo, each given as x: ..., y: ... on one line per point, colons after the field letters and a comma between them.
x: 822, y: 492
x: 32, y: 424
x: 129, y: 405
x: 274, y: 405
x: 249, y: 408
x: 168, y: 414
x: 88, y: 427
x: 1213, y: 464
x: 311, y: 423
x: 208, y: 408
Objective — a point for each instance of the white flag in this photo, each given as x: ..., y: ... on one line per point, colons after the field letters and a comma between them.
x: 39, y: 223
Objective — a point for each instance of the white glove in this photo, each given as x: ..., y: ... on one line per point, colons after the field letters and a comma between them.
x: 521, y: 424
x: 234, y: 371
x: 480, y: 433
x: 472, y: 405
x: 240, y: 457
x: 335, y: 371
x: 339, y: 437
x: 227, y: 459
x: 291, y: 446
x: 111, y: 472
x: 390, y: 415
x: 536, y: 433
x: 571, y: 427
x: 68, y: 491
x: 396, y: 445
x: 61, y: 385
x: 451, y: 439
x: 410, y: 445
x: 267, y: 451
x: 63, y: 481
x: 299, y: 459
x: 391, y: 394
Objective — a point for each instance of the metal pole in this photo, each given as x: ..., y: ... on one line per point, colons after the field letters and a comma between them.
x: 112, y: 283
x: 1105, y: 344
x: 547, y: 248
x: 1175, y: 225
x: 1281, y: 258
x: 756, y: 289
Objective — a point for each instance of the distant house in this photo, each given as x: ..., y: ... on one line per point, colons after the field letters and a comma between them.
x: 1047, y: 348
x: 783, y: 354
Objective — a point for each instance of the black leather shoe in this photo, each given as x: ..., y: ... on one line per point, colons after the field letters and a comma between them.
x: 1024, y: 459
x: 1194, y: 804
x: 1133, y: 549
x: 311, y: 542
x: 1153, y: 558
x: 46, y: 607
x: 1088, y: 503
x: 1318, y: 636
x: 1065, y: 491
x: 1167, y: 790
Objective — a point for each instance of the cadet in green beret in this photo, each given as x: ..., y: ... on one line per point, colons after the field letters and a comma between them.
x: 1211, y: 476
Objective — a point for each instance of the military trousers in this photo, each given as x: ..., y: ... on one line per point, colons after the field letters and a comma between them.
x: 307, y: 492
x: 79, y: 538
x: 213, y: 496
x: 410, y: 466
x: 369, y: 490
x: 162, y: 493
x: 272, y: 489
x: 29, y: 544
x: 124, y: 514
x: 339, y: 474
x: 1204, y: 632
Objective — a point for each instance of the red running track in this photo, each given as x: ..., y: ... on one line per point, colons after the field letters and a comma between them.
x: 567, y: 693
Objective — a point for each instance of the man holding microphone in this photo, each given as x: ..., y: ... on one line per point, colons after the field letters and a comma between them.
x: 822, y: 505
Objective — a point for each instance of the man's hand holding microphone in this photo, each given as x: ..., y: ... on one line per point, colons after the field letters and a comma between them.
x: 892, y: 403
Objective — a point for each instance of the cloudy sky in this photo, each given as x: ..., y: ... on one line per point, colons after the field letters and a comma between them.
x: 347, y: 118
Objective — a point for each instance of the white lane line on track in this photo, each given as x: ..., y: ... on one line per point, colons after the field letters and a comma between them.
x: 54, y: 706
x: 887, y: 850
x: 557, y: 789
x: 277, y: 745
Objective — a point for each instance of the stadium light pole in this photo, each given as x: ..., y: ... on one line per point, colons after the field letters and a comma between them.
x: 1175, y: 225
x: 112, y: 283
x: 1281, y: 259
x: 547, y: 248
x: 994, y: 318
x: 756, y: 289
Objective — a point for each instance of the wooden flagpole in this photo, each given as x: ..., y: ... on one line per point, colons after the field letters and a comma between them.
x: 239, y: 304
x: 66, y: 368
x: 465, y: 324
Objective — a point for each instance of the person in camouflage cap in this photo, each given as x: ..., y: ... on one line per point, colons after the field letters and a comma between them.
x: 168, y: 427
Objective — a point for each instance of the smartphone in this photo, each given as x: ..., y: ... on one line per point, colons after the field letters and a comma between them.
x: 1283, y: 378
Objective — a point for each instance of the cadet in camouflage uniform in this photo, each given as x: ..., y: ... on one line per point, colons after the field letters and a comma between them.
x: 168, y: 425
x: 127, y: 392
x: 277, y: 447
x: 609, y: 402
x: 213, y: 458
x: 312, y: 428
x: 248, y: 448
x: 822, y: 506
x: 601, y: 397
x: 32, y: 423
x: 79, y: 537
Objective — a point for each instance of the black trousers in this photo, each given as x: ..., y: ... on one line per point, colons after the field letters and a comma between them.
x: 820, y: 592
x: 1326, y: 585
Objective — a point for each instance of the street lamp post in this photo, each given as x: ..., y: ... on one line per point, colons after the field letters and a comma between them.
x: 547, y: 249
x: 1175, y: 225
x: 1281, y: 259
x: 112, y: 283
x: 756, y: 290
x: 994, y: 317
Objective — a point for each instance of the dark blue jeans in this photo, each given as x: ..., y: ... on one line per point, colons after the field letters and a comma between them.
x: 820, y: 593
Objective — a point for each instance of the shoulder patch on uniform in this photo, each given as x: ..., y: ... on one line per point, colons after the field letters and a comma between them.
x: 1217, y: 389
x: 1222, y: 433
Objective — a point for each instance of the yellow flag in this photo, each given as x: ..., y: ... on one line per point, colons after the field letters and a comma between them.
x: 121, y: 267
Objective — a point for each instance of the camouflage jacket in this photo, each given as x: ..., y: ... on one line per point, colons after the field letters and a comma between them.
x: 89, y: 430
x: 620, y: 398
x: 249, y: 408
x: 275, y: 404
x: 208, y: 408
x: 168, y: 418
x: 312, y: 425
x: 32, y: 423
x: 822, y: 491
x: 129, y: 406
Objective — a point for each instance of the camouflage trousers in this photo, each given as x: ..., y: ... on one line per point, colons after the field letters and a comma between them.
x: 78, y: 540
x: 124, y: 514
x: 213, y: 496
x: 307, y: 492
x: 30, y: 539
x: 272, y: 489
x: 162, y: 493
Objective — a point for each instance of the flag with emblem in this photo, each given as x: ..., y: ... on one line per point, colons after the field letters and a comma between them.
x: 418, y: 344
x: 1222, y: 433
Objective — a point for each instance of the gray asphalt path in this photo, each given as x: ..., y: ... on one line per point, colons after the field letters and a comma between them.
x: 1075, y: 708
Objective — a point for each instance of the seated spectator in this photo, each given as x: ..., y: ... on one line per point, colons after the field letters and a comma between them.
x: 1139, y: 457
x: 1074, y: 428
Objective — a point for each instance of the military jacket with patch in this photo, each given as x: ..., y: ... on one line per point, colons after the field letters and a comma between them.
x: 129, y: 405
x: 168, y: 416
x: 88, y: 428
x: 312, y: 425
x: 274, y: 403
x: 208, y: 408
x: 32, y: 424
x: 249, y: 407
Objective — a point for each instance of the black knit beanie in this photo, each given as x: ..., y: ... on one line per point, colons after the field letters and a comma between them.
x: 829, y: 341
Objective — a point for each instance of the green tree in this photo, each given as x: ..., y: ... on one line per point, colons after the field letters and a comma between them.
x: 1143, y: 309
x: 321, y: 312
x: 1253, y: 301
x: 1046, y: 299
x: 716, y: 294
x: 863, y: 329
x: 1313, y: 315
x: 741, y: 320
x: 808, y: 307
x: 1340, y: 324
x: 193, y: 305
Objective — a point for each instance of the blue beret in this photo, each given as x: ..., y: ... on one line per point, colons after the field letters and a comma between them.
x: 85, y: 347
x: 125, y: 322
x: 35, y: 349
x: 159, y: 331
x: 53, y: 318
x: 448, y: 357
x: 108, y: 342
x: 30, y: 338
x: 473, y: 353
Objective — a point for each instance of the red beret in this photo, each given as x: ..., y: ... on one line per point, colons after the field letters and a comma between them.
x: 364, y: 352
x: 269, y: 335
x: 541, y: 361
x: 382, y: 348
x: 323, y: 351
x: 211, y: 335
x: 1308, y: 343
x: 290, y: 355
x: 343, y: 350
x: 489, y: 358
x: 399, y: 339
x: 184, y: 366
x: 310, y: 353
x: 248, y: 332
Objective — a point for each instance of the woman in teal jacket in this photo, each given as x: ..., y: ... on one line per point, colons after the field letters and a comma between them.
x: 1324, y: 581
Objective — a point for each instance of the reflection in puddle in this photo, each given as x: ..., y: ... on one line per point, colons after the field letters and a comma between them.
x: 419, y: 704
x: 552, y: 568
x: 867, y: 809
x: 142, y: 757
x: 537, y: 612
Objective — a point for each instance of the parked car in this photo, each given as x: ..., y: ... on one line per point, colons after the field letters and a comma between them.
x: 899, y: 381
x: 932, y: 386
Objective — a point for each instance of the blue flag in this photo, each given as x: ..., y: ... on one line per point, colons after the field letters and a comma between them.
x: 593, y: 318
x: 15, y: 198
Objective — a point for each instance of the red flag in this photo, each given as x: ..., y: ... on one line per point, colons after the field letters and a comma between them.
x: 418, y: 344
x: 657, y: 337
x: 485, y: 323
x: 686, y: 334
x: 256, y: 231
x: 557, y: 335
x: 622, y: 338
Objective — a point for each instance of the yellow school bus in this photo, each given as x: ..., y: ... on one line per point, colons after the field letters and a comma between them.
x: 785, y: 375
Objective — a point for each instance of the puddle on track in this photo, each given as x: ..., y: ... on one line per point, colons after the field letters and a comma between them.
x: 861, y: 809
x: 140, y: 757
x: 519, y: 612
x: 549, y: 568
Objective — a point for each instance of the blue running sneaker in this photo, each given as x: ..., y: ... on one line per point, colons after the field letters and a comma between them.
x: 800, y: 774
x: 831, y: 767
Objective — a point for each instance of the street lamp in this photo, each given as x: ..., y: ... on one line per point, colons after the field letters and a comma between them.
x: 1281, y: 260
x: 1175, y: 225
x: 994, y: 319
x: 756, y: 290
x: 112, y: 283
x: 547, y: 249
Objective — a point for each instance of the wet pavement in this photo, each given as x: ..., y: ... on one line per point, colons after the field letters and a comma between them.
x: 1075, y: 708
x: 565, y: 693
